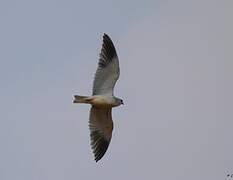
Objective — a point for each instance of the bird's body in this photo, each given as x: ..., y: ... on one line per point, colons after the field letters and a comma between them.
x: 103, y: 99
x: 99, y: 101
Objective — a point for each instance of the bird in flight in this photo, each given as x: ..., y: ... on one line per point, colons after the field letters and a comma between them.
x: 102, y: 100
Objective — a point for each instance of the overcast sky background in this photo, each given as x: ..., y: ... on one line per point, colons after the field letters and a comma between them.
x: 176, y: 80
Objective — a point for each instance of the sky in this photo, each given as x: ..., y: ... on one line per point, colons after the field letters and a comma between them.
x: 176, y: 82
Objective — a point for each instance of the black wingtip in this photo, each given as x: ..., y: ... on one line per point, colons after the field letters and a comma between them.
x: 99, y: 145
x: 101, y: 149
x: 106, y: 36
x: 108, y: 49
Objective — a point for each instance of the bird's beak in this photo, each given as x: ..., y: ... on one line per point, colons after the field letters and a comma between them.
x: 122, y: 103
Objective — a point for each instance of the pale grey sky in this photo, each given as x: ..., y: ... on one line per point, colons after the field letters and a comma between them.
x: 176, y: 80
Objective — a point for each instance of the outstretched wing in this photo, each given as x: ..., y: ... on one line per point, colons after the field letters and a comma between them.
x: 108, y: 70
x: 101, y: 127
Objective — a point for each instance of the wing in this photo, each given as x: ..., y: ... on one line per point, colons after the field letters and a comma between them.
x: 101, y: 127
x: 108, y: 70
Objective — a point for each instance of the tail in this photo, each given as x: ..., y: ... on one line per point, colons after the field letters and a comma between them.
x: 81, y: 99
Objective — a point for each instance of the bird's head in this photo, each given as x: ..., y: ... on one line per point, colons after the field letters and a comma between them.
x: 119, y: 101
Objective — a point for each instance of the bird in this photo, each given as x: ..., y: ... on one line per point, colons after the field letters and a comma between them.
x: 102, y: 99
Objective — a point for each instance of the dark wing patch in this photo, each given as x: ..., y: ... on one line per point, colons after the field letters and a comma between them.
x: 99, y: 145
x: 108, y: 51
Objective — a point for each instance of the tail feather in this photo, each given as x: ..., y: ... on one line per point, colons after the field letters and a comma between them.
x: 80, y: 99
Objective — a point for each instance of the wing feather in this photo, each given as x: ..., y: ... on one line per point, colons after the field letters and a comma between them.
x: 101, y: 126
x: 108, y: 70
